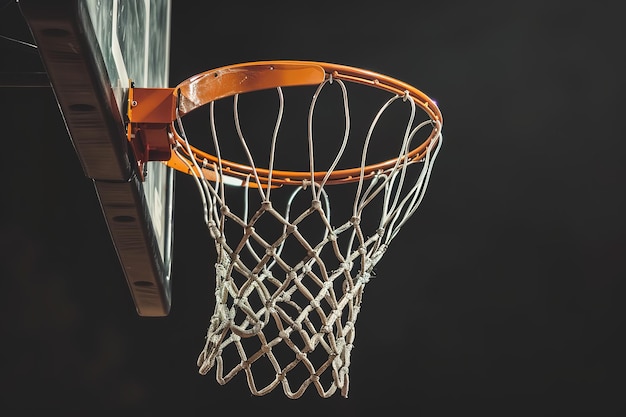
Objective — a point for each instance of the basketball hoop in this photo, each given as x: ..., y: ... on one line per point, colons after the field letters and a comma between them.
x: 289, y: 282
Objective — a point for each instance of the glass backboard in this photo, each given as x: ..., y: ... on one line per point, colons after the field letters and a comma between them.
x: 92, y: 50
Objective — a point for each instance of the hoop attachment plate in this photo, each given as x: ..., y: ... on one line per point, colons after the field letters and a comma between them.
x: 150, y: 114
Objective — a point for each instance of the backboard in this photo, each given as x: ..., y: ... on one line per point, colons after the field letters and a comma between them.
x: 92, y: 50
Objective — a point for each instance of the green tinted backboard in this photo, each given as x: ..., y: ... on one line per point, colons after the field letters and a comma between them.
x: 91, y: 50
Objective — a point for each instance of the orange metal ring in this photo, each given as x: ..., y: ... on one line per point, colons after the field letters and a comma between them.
x: 230, y: 80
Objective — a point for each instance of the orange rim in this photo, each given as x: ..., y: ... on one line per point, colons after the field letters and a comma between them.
x: 227, y: 81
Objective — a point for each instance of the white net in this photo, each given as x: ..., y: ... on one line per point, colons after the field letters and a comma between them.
x: 289, y: 281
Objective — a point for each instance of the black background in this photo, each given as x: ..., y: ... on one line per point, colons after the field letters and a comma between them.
x: 504, y: 296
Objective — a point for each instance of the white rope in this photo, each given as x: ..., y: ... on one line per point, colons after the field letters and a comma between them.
x: 344, y: 142
x: 297, y: 314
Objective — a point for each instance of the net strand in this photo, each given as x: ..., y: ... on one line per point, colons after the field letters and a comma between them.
x: 346, y: 134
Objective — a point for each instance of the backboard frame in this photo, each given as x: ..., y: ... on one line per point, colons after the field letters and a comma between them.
x: 91, y: 108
